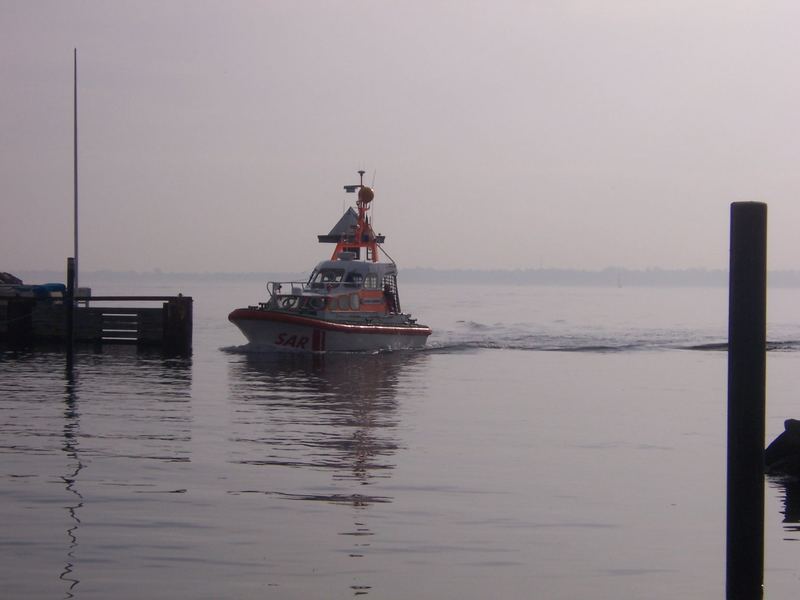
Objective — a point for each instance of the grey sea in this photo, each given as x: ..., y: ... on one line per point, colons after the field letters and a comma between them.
x: 551, y: 442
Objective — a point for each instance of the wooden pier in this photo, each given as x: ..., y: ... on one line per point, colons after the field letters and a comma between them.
x: 26, y: 321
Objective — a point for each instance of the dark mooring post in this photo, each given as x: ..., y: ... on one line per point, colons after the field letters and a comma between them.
x: 69, y: 305
x: 178, y: 326
x: 747, y: 326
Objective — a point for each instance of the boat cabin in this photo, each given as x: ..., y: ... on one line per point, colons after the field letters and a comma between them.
x: 374, y: 284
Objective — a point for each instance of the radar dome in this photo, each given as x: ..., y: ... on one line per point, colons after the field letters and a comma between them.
x: 365, y: 194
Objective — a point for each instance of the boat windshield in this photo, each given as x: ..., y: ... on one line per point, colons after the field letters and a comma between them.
x: 326, y: 277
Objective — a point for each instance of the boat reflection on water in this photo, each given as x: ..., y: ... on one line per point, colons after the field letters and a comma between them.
x: 330, y: 413
x: 324, y: 430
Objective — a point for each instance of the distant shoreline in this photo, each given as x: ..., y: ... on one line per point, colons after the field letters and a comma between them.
x: 609, y: 277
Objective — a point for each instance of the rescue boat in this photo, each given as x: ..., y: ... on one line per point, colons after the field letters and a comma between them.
x: 350, y: 303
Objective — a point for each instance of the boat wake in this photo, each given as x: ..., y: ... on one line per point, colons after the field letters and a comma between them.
x: 470, y: 335
x: 540, y: 344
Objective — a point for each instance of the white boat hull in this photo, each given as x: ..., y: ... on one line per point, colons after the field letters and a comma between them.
x: 278, y: 330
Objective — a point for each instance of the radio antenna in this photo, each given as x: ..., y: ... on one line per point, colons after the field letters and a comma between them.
x: 372, y: 185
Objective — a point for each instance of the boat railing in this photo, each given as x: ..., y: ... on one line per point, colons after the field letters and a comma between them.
x: 294, y: 296
x: 285, y: 288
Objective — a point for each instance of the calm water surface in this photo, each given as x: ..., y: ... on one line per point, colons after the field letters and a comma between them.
x: 551, y: 443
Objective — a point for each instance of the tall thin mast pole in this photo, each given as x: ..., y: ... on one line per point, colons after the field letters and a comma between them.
x: 75, y: 157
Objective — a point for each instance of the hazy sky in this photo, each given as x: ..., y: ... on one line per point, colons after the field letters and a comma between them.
x: 217, y: 136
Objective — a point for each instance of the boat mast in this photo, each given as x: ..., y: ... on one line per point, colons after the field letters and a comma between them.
x: 363, y: 236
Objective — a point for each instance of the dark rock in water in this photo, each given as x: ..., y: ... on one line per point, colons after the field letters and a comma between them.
x: 8, y: 278
x: 782, y: 456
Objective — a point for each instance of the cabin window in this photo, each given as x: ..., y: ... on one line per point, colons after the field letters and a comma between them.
x: 371, y: 281
x: 327, y: 277
x: 353, y: 280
